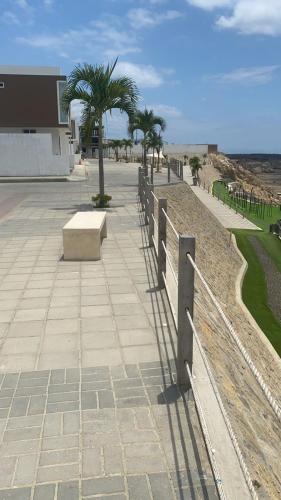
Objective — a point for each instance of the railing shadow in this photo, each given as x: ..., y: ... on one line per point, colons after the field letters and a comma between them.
x: 172, y: 396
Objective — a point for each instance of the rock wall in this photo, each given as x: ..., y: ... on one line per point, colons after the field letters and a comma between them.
x: 255, y: 424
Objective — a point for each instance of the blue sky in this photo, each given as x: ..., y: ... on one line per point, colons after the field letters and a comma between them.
x: 210, y: 67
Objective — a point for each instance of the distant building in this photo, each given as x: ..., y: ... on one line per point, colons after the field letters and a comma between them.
x: 90, y: 146
x: 35, y: 130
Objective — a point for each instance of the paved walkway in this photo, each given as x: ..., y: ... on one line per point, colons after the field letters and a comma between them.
x: 88, y: 404
x: 227, y: 217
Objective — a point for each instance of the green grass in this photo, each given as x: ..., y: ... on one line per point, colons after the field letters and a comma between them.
x: 220, y: 190
x: 254, y: 288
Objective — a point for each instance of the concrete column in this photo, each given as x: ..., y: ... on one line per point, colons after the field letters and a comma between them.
x: 162, y: 236
x: 146, y: 198
x: 185, y: 303
x: 150, y: 215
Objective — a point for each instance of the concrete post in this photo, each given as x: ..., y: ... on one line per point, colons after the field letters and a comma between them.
x: 185, y: 303
x: 139, y: 184
x: 146, y: 199
x: 150, y: 215
x: 169, y: 172
x: 162, y: 236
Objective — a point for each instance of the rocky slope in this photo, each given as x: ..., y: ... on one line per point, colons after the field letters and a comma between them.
x: 255, y: 424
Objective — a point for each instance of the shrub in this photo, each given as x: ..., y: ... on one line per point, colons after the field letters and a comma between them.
x: 101, y: 201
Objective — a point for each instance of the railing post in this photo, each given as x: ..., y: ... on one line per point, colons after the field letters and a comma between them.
x: 146, y: 198
x: 142, y: 184
x: 169, y: 172
x: 150, y: 215
x: 139, y: 185
x: 162, y: 236
x: 185, y: 303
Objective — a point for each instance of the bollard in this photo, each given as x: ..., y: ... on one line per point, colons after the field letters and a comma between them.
x: 185, y: 303
x: 150, y: 215
x: 162, y: 235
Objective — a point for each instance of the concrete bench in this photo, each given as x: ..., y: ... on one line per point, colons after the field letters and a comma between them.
x: 83, y: 234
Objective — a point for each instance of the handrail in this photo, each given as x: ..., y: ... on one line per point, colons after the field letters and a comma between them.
x: 170, y: 301
x: 207, y: 439
x: 155, y: 197
x: 223, y: 410
x: 273, y: 403
x: 171, y: 224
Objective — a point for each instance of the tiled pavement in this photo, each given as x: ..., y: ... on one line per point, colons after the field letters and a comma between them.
x: 88, y: 406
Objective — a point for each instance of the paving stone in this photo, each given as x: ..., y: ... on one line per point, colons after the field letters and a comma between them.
x: 22, y: 434
x: 37, y: 405
x: 57, y: 377
x: 130, y: 392
x: 57, y: 473
x: 133, y: 382
x: 105, y: 485
x: 5, y: 402
x: 132, y: 371
x: 16, y: 448
x: 118, y: 372
x: 89, y: 400
x: 71, y: 423
x: 138, y: 488
x: 7, y: 468
x: 59, y: 397
x: 16, y: 494
x: 30, y: 391
x: 113, y: 463
x: 26, y: 469
x: 138, y: 436
x: 59, y: 457
x: 131, y: 402
x: 10, y: 380
x: 44, y: 492
x: 161, y: 487
x: 63, y: 388
x: 91, y: 462
x: 106, y: 399
x: 52, y: 425
x: 96, y: 386
x: 31, y: 382
x: 68, y: 491
x: 72, y: 375
x: 30, y: 421
x: 60, y: 443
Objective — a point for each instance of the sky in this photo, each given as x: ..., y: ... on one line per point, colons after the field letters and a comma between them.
x: 211, y: 68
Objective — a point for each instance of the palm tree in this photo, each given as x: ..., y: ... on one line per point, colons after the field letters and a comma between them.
x: 151, y: 143
x: 195, y: 166
x: 147, y: 122
x: 159, y: 147
x: 99, y: 92
x: 127, y: 143
x: 116, y: 144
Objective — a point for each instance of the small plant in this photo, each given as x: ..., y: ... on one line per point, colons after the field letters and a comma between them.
x: 101, y: 201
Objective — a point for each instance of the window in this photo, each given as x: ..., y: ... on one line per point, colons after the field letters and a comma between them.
x: 29, y: 131
x: 62, y: 114
x: 2, y: 85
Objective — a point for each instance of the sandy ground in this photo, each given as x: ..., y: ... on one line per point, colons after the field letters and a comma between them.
x: 257, y: 428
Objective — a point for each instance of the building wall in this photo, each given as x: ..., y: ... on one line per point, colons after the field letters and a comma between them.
x: 26, y: 155
x: 30, y: 101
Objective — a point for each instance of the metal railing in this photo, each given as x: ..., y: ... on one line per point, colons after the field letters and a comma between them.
x: 184, y: 280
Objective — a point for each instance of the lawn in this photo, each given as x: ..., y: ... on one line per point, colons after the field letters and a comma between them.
x: 254, y: 289
x: 220, y: 190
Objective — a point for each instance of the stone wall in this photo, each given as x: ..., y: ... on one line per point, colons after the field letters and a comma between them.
x: 255, y: 424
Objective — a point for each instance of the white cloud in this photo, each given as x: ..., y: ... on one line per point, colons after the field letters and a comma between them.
x: 248, y: 76
x: 144, y: 18
x: 248, y: 17
x: 210, y: 4
x: 165, y: 110
x: 258, y: 17
x: 23, y: 4
x: 144, y: 75
x: 102, y: 39
x: 9, y: 18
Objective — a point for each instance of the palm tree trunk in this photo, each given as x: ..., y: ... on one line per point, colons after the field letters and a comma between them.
x: 101, y: 170
x: 158, y: 161
x: 144, y: 155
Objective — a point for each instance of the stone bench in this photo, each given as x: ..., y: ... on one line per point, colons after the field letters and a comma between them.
x: 83, y: 234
